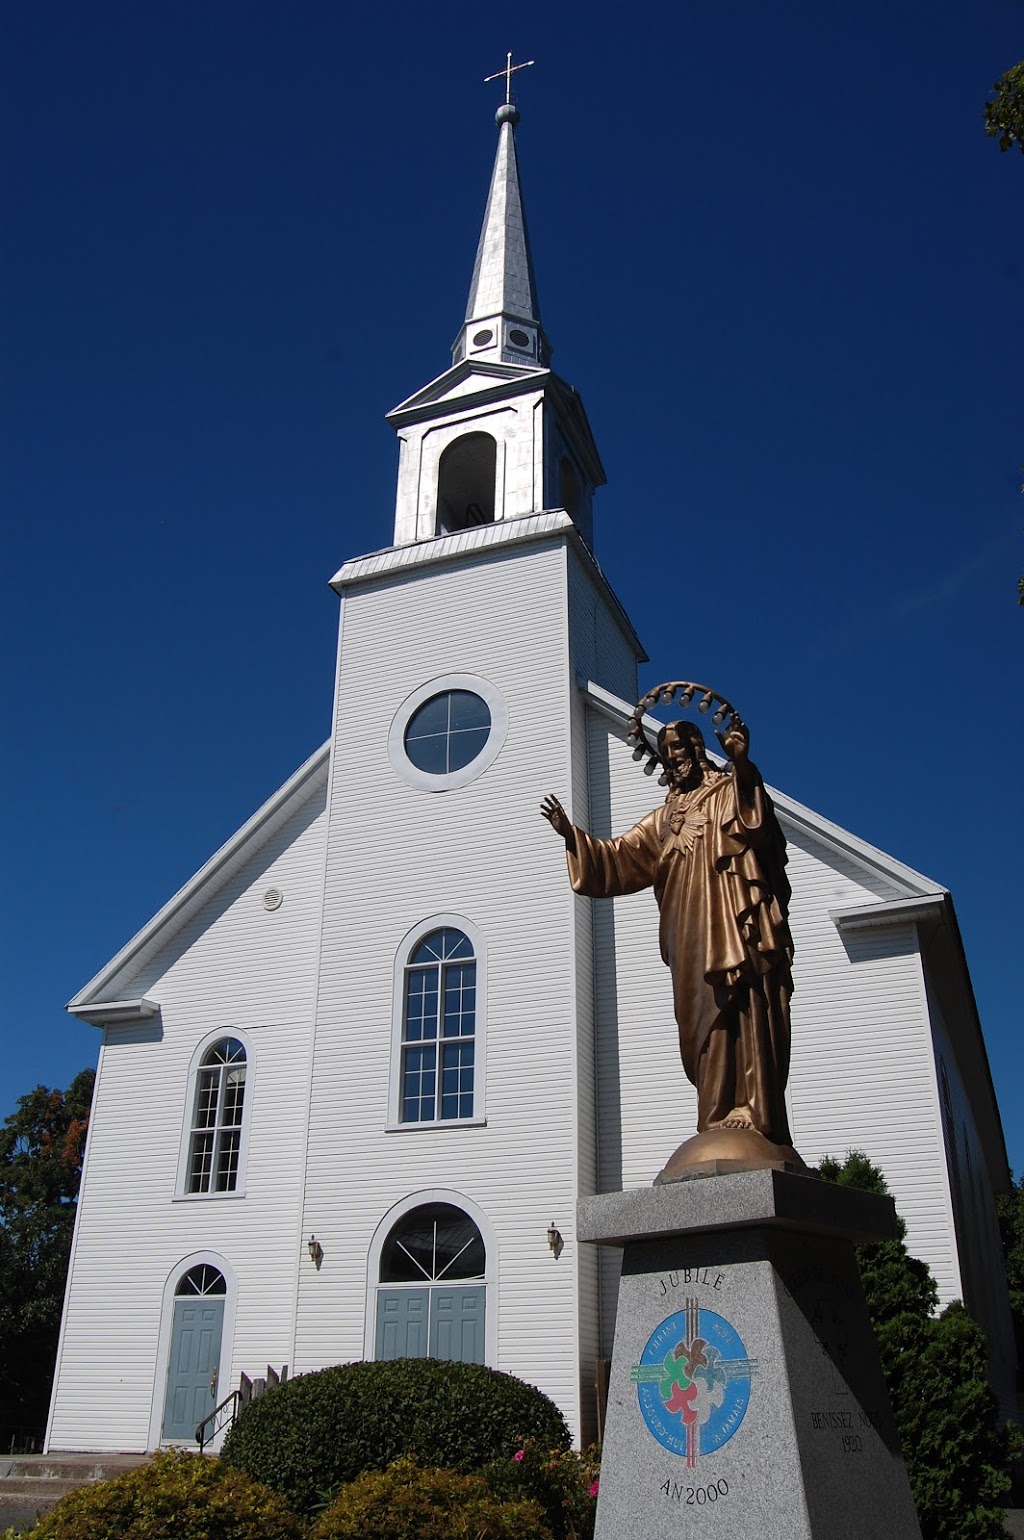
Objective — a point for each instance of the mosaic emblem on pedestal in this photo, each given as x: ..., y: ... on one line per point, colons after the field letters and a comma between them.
x: 693, y: 1382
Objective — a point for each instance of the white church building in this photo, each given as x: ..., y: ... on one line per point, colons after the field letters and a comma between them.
x: 355, y: 1075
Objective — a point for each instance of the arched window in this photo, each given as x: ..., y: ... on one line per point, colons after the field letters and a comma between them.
x: 203, y: 1279
x: 465, y: 483
x: 215, y: 1139
x: 439, y: 1029
x: 431, y: 1299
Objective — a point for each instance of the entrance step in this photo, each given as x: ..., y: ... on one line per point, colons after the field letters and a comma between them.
x: 30, y: 1484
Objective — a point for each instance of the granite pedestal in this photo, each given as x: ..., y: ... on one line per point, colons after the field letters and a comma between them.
x: 746, y: 1395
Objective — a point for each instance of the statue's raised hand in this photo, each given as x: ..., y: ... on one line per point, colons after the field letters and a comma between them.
x: 558, y: 818
x: 735, y: 740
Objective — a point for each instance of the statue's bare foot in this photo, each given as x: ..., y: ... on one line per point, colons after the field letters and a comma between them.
x: 739, y: 1117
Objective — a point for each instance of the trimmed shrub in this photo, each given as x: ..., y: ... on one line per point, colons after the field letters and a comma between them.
x: 315, y: 1433
x: 177, y: 1497
x: 563, y: 1481
x: 406, y: 1502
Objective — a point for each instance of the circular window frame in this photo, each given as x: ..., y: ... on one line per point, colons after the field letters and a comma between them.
x: 453, y: 780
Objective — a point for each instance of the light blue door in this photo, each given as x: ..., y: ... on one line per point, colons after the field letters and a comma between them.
x: 431, y: 1323
x: 402, y: 1317
x: 457, y: 1324
x: 194, y: 1366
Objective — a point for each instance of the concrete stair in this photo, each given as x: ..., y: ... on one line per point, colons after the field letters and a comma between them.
x: 30, y: 1484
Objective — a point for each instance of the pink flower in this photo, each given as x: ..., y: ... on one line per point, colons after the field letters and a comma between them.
x: 520, y: 1454
x: 593, y: 1488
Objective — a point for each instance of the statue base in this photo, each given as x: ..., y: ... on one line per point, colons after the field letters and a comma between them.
x: 746, y: 1395
x: 721, y: 1151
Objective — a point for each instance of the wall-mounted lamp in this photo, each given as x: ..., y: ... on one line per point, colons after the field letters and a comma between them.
x: 316, y: 1251
x: 555, y: 1239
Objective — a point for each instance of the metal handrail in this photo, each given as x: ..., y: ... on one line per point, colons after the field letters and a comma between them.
x: 210, y: 1427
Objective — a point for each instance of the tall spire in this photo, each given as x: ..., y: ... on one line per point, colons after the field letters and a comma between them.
x: 502, y: 322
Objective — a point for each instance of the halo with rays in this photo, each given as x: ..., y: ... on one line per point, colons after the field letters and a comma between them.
x: 686, y: 690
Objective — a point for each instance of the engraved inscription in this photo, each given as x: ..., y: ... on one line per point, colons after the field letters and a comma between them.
x: 685, y: 1277
x: 845, y: 1423
x: 694, y: 1497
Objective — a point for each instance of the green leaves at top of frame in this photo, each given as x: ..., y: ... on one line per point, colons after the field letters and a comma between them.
x: 1004, y: 114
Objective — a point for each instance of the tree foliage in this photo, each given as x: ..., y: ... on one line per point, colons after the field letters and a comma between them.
x: 41, y: 1148
x: 1010, y: 1209
x: 958, y: 1458
x: 1004, y: 114
x: 406, y: 1502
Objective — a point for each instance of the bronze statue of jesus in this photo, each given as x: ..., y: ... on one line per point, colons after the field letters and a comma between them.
x: 716, y: 859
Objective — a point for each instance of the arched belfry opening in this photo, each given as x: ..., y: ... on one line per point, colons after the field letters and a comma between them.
x: 465, y: 483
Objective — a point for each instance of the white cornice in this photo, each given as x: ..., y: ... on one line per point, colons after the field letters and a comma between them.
x: 497, y: 381
x: 115, y: 1013
x: 894, y: 911
x: 553, y: 523
x: 440, y: 548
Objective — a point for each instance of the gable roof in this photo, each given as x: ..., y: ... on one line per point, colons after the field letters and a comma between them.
x: 913, y: 884
x: 254, y: 833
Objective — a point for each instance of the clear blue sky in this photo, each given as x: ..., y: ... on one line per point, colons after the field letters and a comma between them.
x: 775, y: 252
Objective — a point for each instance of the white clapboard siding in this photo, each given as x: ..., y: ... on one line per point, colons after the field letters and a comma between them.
x: 604, y: 650
x: 238, y: 967
x: 863, y: 1073
x: 398, y: 855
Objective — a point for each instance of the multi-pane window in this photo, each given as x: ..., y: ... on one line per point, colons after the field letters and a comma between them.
x: 216, y: 1137
x: 435, y: 1243
x: 439, y: 1029
x: 203, y: 1279
x: 448, y: 732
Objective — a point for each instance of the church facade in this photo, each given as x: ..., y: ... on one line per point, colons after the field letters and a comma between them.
x: 356, y: 1074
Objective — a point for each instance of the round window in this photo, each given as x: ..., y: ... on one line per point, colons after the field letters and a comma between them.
x: 519, y: 339
x: 447, y: 732
x: 481, y: 339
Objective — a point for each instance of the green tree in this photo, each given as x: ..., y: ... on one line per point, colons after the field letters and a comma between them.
x: 41, y: 1149
x: 1004, y: 114
x: 958, y: 1458
x: 1010, y: 1209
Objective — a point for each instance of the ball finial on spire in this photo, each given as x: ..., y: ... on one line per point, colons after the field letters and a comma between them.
x: 508, y: 112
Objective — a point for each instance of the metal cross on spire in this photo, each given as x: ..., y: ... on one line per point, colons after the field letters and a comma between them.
x: 508, y: 72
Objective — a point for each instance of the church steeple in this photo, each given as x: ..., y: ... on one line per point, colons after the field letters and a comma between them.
x: 498, y: 436
x: 503, y: 322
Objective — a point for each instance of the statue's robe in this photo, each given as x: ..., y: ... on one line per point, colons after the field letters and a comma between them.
x: 715, y: 857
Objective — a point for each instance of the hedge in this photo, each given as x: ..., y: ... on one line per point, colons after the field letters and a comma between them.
x: 408, y: 1503
x: 314, y: 1433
